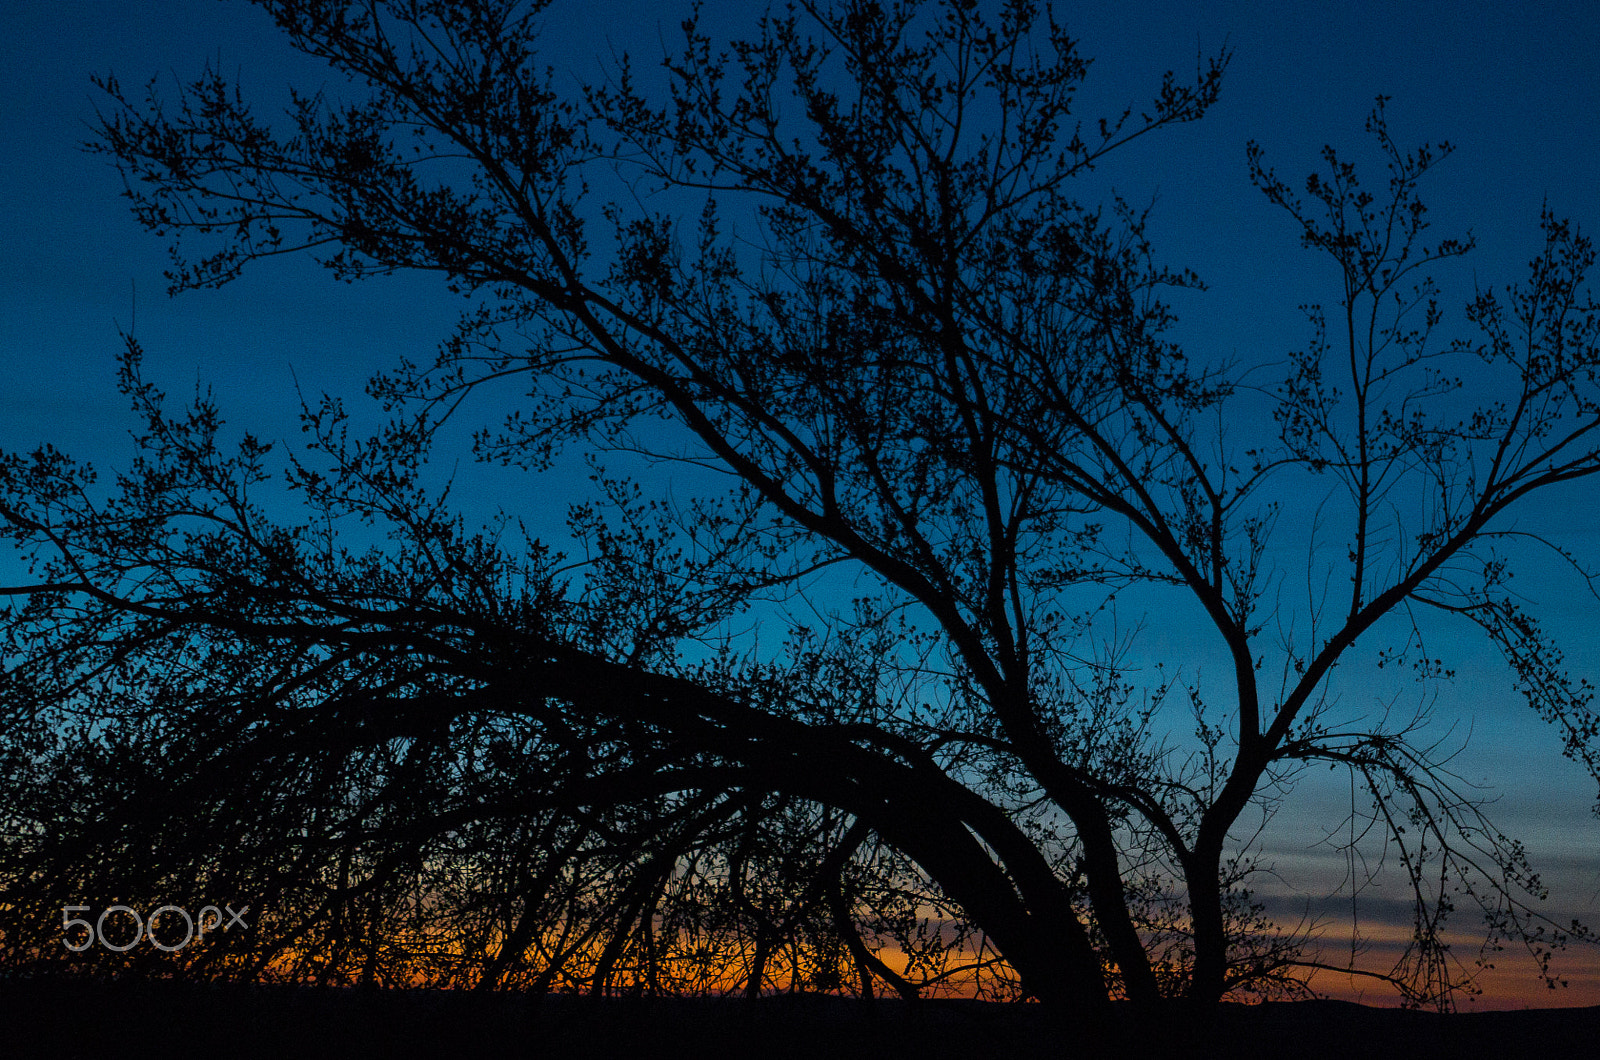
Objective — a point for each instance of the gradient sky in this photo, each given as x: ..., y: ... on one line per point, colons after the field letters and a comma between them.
x: 1516, y: 87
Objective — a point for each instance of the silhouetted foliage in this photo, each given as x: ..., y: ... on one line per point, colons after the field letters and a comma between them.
x: 842, y: 264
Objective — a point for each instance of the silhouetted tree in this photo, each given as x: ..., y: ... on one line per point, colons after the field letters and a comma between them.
x: 864, y: 288
x: 505, y: 842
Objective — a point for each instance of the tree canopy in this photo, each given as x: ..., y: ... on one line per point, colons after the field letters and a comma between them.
x: 846, y: 691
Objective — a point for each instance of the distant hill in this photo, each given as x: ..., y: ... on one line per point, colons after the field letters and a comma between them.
x: 45, y: 1018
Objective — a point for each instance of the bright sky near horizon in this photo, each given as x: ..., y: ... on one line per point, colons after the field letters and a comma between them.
x: 1515, y: 87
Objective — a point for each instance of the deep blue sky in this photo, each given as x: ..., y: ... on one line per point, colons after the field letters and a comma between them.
x: 1515, y: 86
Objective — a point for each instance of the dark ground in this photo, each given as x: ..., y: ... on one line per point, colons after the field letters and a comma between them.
x: 77, y: 1019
